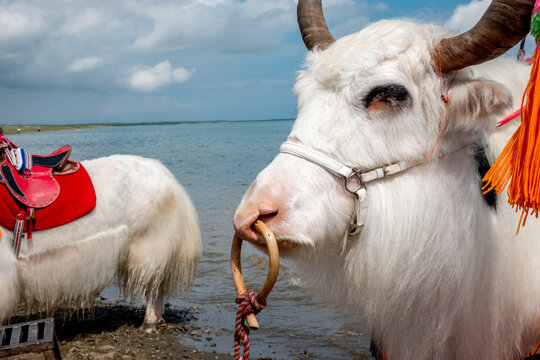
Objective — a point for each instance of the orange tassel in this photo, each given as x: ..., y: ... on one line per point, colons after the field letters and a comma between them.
x: 518, y: 166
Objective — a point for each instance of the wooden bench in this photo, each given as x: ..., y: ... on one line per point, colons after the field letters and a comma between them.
x: 30, y: 337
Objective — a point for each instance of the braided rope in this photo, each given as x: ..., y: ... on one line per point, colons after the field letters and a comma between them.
x: 247, y: 304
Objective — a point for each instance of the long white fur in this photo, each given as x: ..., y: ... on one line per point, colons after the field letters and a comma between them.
x: 144, y: 229
x: 436, y: 273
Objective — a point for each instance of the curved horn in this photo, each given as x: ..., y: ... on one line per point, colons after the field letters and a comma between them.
x: 312, y: 24
x: 502, y: 26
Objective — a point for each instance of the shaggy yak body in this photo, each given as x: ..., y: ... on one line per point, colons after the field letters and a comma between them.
x: 144, y: 229
x: 436, y: 273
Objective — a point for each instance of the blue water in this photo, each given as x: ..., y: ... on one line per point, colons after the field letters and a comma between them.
x: 216, y: 162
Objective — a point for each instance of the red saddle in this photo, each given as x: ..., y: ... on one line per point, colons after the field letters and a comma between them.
x: 48, y: 191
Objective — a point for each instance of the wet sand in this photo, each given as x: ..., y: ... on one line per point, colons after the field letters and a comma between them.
x: 111, y: 331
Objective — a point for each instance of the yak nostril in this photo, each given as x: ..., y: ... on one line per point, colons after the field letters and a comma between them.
x: 266, y: 218
x: 244, y: 219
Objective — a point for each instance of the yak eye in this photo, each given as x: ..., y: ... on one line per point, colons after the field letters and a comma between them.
x: 387, y: 97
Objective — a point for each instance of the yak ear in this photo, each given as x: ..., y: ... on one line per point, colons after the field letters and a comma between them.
x: 473, y: 103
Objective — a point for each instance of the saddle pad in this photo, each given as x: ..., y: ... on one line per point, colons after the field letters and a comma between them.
x: 77, y: 198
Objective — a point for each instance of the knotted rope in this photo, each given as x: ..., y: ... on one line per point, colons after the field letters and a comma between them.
x: 248, y: 304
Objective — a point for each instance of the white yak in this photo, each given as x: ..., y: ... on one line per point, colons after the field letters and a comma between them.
x: 436, y: 271
x: 144, y: 229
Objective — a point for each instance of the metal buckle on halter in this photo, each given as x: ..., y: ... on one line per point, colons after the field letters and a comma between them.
x: 355, y: 185
x: 357, y: 177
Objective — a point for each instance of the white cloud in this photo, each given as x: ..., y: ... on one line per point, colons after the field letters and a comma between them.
x: 151, y: 79
x: 43, y: 43
x: 181, y: 75
x: 228, y: 25
x: 83, y: 20
x: 234, y: 26
x: 18, y: 22
x: 85, y: 64
x: 466, y: 16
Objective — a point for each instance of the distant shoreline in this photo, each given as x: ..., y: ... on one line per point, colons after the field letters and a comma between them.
x: 14, y: 129
x: 194, y: 122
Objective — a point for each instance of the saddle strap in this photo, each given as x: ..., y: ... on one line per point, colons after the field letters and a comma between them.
x: 18, y: 234
x: 22, y: 229
x: 20, y: 159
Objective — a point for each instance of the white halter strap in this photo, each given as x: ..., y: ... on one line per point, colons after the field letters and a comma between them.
x: 339, y: 169
x: 354, y: 180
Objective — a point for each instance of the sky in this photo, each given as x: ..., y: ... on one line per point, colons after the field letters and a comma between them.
x: 103, y: 61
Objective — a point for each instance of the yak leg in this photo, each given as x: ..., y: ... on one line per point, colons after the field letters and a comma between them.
x: 154, y: 310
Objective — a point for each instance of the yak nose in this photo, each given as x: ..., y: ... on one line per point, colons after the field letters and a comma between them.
x: 246, y: 216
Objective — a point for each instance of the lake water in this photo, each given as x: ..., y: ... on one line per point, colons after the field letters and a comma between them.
x: 216, y: 162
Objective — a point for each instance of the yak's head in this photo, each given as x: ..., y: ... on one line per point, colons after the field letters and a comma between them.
x: 371, y: 99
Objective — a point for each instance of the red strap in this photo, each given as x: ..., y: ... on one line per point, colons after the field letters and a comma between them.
x: 512, y: 116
